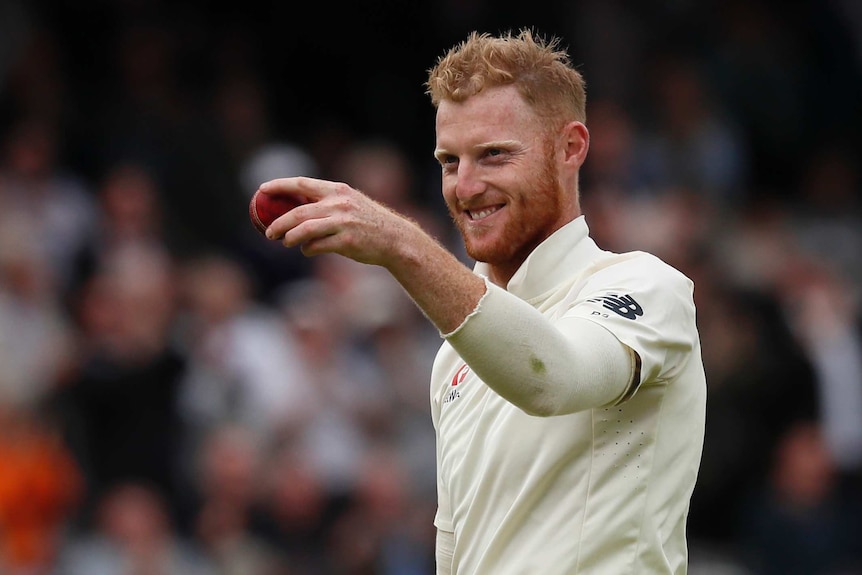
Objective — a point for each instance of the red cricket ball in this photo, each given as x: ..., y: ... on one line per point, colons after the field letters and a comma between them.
x: 265, y: 208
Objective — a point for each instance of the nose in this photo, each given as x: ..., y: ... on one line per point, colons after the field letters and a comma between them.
x: 469, y: 183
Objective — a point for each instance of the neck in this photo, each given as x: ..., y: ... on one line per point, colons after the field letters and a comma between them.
x: 500, y: 275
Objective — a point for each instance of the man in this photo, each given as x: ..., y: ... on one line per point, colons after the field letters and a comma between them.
x: 568, y: 397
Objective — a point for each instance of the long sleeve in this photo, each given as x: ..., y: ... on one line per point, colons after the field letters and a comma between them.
x: 542, y: 367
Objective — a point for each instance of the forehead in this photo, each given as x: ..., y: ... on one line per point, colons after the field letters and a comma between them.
x: 498, y: 113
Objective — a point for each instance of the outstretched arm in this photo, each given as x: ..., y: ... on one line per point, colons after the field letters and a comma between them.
x: 543, y: 368
x: 341, y: 220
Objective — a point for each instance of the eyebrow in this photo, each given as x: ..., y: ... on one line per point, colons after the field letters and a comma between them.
x: 439, y: 153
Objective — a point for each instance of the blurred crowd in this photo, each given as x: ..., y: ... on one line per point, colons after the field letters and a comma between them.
x: 180, y: 396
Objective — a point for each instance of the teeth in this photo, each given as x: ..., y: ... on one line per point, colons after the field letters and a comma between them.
x: 482, y: 213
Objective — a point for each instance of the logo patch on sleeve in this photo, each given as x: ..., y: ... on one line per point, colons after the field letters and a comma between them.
x: 624, y: 305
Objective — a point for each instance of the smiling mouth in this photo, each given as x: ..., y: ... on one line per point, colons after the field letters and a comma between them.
x: 483, y: 213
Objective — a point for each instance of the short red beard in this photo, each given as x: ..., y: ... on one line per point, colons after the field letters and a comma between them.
x: 542, y: 208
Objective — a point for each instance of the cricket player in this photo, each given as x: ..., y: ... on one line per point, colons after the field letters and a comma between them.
x: 568, y: 395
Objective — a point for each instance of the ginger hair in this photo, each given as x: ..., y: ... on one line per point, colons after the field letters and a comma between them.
x: 541, y: 72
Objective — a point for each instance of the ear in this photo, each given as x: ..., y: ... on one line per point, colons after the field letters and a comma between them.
x: 576, y: 141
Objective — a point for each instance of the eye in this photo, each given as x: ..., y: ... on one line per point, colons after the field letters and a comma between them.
x: 448, y: 161
x: 496, y: 155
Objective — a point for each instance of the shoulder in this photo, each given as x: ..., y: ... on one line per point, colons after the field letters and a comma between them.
x: 647, y: 304
x: 636, y: 270
x: 636, y: 286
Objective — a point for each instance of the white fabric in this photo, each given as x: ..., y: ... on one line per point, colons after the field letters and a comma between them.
x: 544, y: 372
x: 443, y: 552
x: 601, y: 490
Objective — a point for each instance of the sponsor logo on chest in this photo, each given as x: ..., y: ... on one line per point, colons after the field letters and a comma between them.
x: 453, y: 393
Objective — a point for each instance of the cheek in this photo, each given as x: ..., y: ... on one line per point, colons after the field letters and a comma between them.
x: 448, y: 190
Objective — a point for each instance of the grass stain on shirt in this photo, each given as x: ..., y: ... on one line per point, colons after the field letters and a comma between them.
x: 537, y: 365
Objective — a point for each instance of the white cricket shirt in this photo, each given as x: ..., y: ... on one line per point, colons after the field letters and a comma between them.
x: 601, y: 491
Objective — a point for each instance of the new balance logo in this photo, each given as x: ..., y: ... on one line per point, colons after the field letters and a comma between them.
x: 624, y: 305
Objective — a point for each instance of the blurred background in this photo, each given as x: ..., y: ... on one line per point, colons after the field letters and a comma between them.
x: 180, y: 396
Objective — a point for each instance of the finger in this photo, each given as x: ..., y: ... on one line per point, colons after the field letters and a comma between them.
x: 301, y: 231
x: 289, y: 220
x: 310, y: 188
x: 320, y: 245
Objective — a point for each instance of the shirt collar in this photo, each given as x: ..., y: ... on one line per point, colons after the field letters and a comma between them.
x: 553, y: 261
